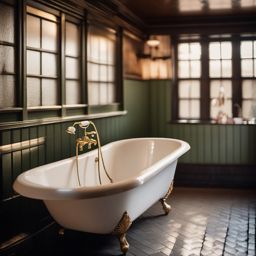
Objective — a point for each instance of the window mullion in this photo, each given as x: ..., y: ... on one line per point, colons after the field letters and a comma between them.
x: 236, y: 73
x: 23, y: 56
x: 205, y: 81
x: 119, y: 67
x: 175, y: 107
x: 83, y: 73
x: 62, y: 64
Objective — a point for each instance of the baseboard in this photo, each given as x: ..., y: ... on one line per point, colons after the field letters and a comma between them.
x: 24, y: 244
x: 223, y: 176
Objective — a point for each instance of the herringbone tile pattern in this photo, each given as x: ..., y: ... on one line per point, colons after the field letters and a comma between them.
x: 202, y: 222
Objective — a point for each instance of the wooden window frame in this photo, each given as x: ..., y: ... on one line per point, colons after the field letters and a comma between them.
x: 236, y: 78
x: 118, y: 68
x: 79, y: 16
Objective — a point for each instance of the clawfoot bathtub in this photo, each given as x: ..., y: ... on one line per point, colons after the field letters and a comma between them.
x: 142, y: 171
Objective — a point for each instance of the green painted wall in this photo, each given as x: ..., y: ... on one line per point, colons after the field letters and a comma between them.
x: 210, y: 143
x: 149, y: 105
x: 59, y: 145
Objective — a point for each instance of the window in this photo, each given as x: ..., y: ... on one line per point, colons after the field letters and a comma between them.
x: 101, y: 66
x: 220, y: 65
x: 42, y: 58
x: 7, y: 52
x: 55, y: 63
x: 215, y: 77
x: 248, y: 73
x: 72, y: 63
x: 189, y: 73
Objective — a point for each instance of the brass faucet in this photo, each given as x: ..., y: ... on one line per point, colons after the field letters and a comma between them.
x: 86, y: 140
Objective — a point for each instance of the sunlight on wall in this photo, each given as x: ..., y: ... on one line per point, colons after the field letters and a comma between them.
x: 22, y: 145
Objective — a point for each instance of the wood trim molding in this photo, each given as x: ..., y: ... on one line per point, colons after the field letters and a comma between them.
x: 31, y: 123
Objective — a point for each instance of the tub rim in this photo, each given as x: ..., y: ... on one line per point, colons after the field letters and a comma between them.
x: 36, y: 191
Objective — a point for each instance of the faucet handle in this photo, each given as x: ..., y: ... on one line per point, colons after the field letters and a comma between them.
x: 91, y: 133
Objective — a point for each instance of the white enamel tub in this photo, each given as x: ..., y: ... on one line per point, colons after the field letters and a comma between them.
x: 142, y: 170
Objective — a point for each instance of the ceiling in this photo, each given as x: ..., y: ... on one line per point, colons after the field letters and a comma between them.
x: 160, y: 11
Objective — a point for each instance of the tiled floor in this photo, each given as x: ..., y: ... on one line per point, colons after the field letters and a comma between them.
x: 201, y: 222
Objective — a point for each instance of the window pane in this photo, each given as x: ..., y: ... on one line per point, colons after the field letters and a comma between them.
x: 72, y: 68
x: 101, y: 64
x: 103, y: 73
x: 183, y: 69
x: 72, y: 39
x: 94, y: 44
x: 33, y: 92
x: 183, y: 51
x: 93, y: 92
x: 195, y: 51
x: 215, y: 70
x: 226, y: 68
x: 49, y: 64
x: 111, y: 74
x: 103, y: 51
x: 184, y: 109
x: 195, y: 69
x: 184, y: 89
x: 225, y: 109
x: 7, y: 23
x: 226, y: 50
x: 93, y: 72
x: 189, y: 109
x: 6, y: 59
x: 247, y: 109
x: 249, y: 89
x: 7, y: 91
x: 111, y: 53
x: 214, y: 50
x: 195, y: 109
x: 49, y: 92
x: 246, y: 49
x: 49, y: 35
x: 103, y: 93
x: 33, y: 63
x: 218, y: 86
x: 33, y: 31
x: 255, y: 68
x: 189, y: 89
x: 247, y: 68
x: 254, y: 49
x: 73, y: 92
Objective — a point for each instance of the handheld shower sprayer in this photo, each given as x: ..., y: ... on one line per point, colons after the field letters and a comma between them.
x: 82, y: 124
x: 88, y: 140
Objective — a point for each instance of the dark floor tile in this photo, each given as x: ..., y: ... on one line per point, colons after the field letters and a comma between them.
x: 202, y: 222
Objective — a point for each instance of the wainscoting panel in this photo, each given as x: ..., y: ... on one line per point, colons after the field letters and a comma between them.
x: 210, y: 143
x: 27, y: 147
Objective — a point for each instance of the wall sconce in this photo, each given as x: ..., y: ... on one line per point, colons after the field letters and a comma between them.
x: 153, y: 42
x: 154, y: 49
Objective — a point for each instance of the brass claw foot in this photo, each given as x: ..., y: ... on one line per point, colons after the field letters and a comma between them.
x: 124, y: 245
x: 166, y: 207
x: 61, y: 231
x: 120, y: 231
